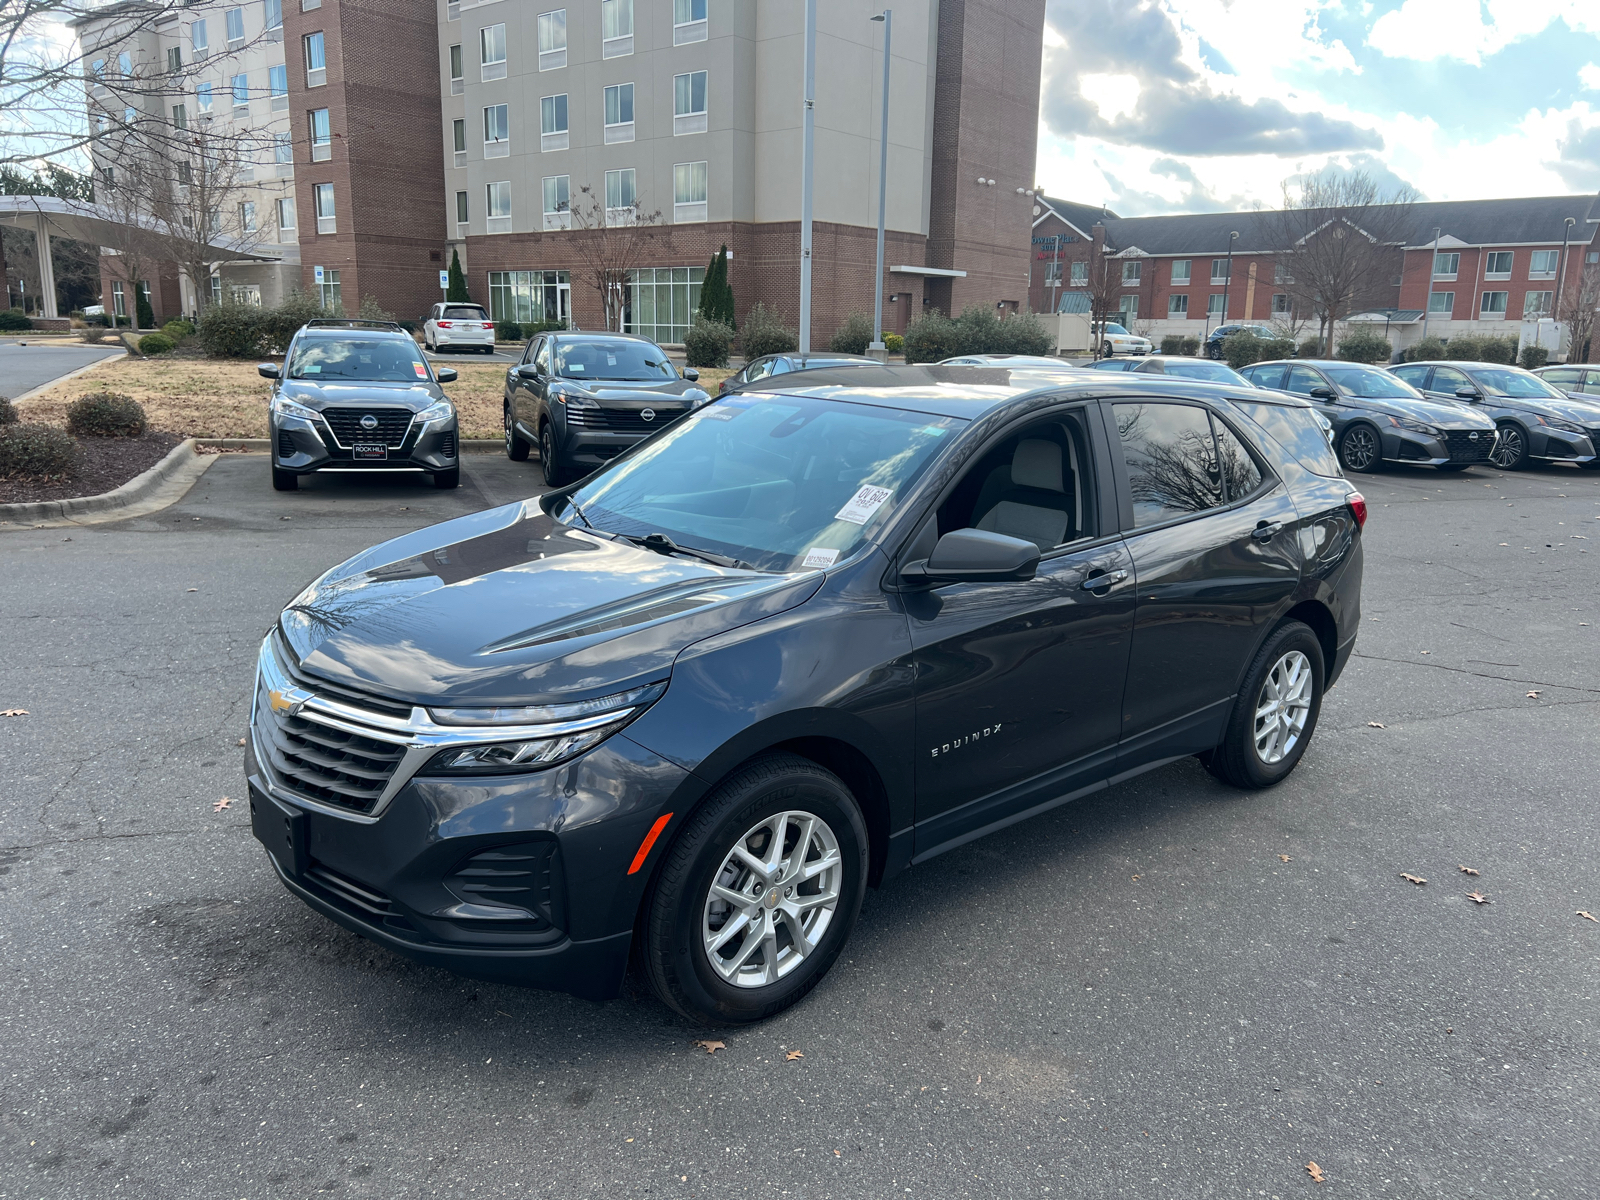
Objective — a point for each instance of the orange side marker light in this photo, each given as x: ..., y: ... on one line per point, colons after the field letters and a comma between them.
x: 649, y: 841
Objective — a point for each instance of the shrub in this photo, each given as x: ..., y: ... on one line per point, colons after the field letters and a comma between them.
x: 95, y: 334
x: 1242, y: 349
x: 854, y: 336
x: 230, y: 330
x: 107, y: 414
x: 37, y: 450
x: 1464, y: 348
x: 507, y: 331
x: 1310, y: 348
x: 1172, y: 343
x: 14, y: 320
x: 155, y: 343
x: 279, y: 325
x: 8, y: 412
x: 530, y: 328
x: 1024, y: 333
x: 894, y: 343
x: 177, y: 329
x: 1534, y: 357
x: 765, y: 333
x: 1365, y: 346
x: 1429, y: 349
x: 1191, y: 345
x: 707, y: 343
x: 1500, y: 350
x: 371, y: 310
x: 930, y: 337
x: 977, y: 328
x: 716, y: 293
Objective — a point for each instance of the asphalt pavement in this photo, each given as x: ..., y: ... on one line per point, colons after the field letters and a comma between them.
x: 1168, y: 989
x: 26, y: 367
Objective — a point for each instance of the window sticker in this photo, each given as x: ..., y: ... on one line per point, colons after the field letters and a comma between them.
x: 422, y: 371
x: 577, y: 367
x: 311, y: 369
x: 611, y: 360
x: 867, y: 501
x: 820, y: 556
x: 720, y: 412
x: 933, y: 430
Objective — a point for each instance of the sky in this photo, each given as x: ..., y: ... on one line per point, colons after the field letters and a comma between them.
x: 1159, y: 106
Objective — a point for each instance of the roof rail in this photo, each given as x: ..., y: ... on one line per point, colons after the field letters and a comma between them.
x: 348, y: 322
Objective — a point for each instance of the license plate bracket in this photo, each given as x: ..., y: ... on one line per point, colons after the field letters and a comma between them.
x: 369, y: 450
x: 282, y: 830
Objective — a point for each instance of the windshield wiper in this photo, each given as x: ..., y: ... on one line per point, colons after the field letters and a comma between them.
x: 573, y: 504
x: 660, y: 543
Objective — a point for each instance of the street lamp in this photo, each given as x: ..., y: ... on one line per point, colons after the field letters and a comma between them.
x: 887, y: 17
x: 1561, y: 279
x: 807, y: 137
x: 1227, y: 282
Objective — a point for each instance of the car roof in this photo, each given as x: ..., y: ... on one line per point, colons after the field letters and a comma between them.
x: 1315, y: 362
x: 822, y: 357
x: 363, y: 331
x: 585, y: 335
x: 972, y: 392
x: 1464, y: 365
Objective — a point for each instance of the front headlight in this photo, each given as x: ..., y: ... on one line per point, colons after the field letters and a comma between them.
x: 285, y: 407
x: 572, y: 399
x: 1415, y: 426
x: 1564, y: 426
x: 442, y: 411
x: 501, y: 758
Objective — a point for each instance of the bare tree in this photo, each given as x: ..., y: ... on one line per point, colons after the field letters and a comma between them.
x: 201, y: 212
x: 132, y: 188
x: 1581, y: 313
x: 612, y: 243
x: 1341, y: 240
x: 1105, y: 293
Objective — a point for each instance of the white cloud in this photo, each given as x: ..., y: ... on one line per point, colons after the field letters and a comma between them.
x: 1433, y: 29
x: 1589, y: 77
x: 1114, y: 95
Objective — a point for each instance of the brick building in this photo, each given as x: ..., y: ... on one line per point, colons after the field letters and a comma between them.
x: 1467, y: 267
x: 478, y: 126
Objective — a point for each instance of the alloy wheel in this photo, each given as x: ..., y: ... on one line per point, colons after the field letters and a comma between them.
x: 772, y: 899
x: 1360, y: 448
x: 1282, y: 707
x: 508, y: 430
x: 1509, y: 448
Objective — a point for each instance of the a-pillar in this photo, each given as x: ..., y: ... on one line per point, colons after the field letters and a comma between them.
x: 47, y: 267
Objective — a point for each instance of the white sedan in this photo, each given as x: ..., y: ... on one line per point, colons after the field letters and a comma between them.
x: 458, y: 327
x: 1114, y: 340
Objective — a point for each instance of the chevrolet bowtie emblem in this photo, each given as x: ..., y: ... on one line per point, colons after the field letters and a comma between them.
x: 288, y: 701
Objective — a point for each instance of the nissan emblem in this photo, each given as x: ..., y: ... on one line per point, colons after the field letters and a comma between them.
x: 369, y: 422
x: 648, y: 414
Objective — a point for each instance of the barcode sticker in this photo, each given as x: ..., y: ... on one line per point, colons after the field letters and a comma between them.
x: 863, y: 504
x: 820, y: 556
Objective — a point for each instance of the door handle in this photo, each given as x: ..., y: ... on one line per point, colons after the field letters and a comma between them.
x: 1265, y: 529
x: 1097, y: 579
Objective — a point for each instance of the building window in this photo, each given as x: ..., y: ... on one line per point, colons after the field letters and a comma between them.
x: 553, y: 40
x: 530, y: 296
x: 321, y: 135
x: 1280, y: 304
x: 1592, y: 256
x: 1493, y: 306
x: 1446, y: 265
x: 661, y: 301
x: 497, y: 206
x: 689, y: 103
x: 185, y: 176
x: 247, y: 215
x: 278, y: 87
x: 1180, y: 273
x: 1543, y: 263
x: 286, y: 217
x: 322, y: 193
x: 616, y: 28
x: 198, y: 43
x: 458, y: 134
x: 1214, y: 306
x: 1178, y: 306
x: 558, y: 202
x: 1219, y: 270
x: 553, y: 122
x: 688, y: 21
x: 1130, y: 271
x: 1442, y: 303
x: 119, y: 302
x: 108, y: 175
x: 282, y: 148
x: 174, y: 59
x: 180, y: 116
x: 461, y: 208
x: 1129, y: 311
x: 241, y: 91
x: 328, y: 292
x: 202, y: 99
x: 273, y: 12
x: 1497, y: 265
x: 492, y: 51
x: 619, y: 113
x: 496, y: 131
x: 1281, y: 275
x: 689, y: 190
x: 316, y: 61
x: 97, y: 71
x: 1080, y: 274
x: 1537, y: 304
x: 458, y: 73
x: 129, y: 115
x: 235, y: 21
x: 621, y: 195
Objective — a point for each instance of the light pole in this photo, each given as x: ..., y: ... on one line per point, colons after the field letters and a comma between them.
x: 1561, y: 279
x: 1433, y: 268
x: 1055, y: 296
x: 887, y: 17
x: 1227, y: 282
x: 807, y: 133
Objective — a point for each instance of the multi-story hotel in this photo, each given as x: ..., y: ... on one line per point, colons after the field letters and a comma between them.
x: 389, y: 136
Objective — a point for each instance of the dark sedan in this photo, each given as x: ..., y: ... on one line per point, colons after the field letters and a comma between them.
x: 1576, y: 380
x: 1378, y: 418
x: 1179, y: 366
x: 783, y: 364
x: 584, y: 398
x: 1536, y: 420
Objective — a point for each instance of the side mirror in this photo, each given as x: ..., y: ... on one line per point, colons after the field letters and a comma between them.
x: 445, y: 374
x: 527, y: 371
x: 691, y: 374
x: 1321, y: 393
x: 1469, y: 394
x: 267, y: 370
x: 976, y: 556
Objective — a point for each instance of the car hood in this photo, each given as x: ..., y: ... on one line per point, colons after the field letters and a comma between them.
x: 1435, y: 412
x: 415, y: 396
x: 1585, y: 413
x: 624, y: 389
x: 509, y: 606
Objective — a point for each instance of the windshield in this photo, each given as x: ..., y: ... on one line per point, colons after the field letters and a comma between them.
x: 389, y: 360
x: 1369, y: 383
x: 1516, y: 383
x: 1113, y: 327
x: 784, y: 483
x: 1209, y: 371
x: 621, y: 359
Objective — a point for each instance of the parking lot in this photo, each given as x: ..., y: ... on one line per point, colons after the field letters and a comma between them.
x: 1167, y: 989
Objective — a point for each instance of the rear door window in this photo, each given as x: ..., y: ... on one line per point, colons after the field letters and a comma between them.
x: 1300, y: 431
x: 1171, y: 457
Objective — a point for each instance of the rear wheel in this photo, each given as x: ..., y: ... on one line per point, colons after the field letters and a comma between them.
x: 284, y: 481
x: 447, y: 479
x: 1360, y: 450
x: 1276, y: 710
x: 1510, y: 451
x: 517, y: 446
x: 758, y: 894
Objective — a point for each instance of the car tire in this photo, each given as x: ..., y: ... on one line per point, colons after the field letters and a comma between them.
x: 1288, y: 672
x: 556, y: 472
x: 284, y: 481
x: 1106, y: 351
x: 446, y: 480
x: 753, y: 981
x: 1510, y: 451
x: 517, y: 446
x: 1361, y: 449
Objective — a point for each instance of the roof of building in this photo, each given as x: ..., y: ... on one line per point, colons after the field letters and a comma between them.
x: 1082, y: 217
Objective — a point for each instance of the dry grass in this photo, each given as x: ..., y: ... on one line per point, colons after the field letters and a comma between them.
x: 202, y: 398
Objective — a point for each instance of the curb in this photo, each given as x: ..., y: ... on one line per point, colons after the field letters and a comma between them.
x: 99, y: 362
x: 262, y: 445
x: 163, y: 484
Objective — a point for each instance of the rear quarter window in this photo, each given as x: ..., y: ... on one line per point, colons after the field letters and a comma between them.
x: 1300, y: 431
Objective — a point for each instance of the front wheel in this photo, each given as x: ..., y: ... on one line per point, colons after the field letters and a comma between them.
x: 517, y: 446
x: 1510, y: 451
x: 1360, y: 450
x: 284, y: 481
x: 758, y: 894
x: 1106, y: 351
x: 1276, y: 711
x: 556, y: 473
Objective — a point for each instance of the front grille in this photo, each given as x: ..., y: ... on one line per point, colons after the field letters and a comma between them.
x: 322, y: 762
x: 521, y: 882
x: 334, y: 691
x: 285, y: 444
x: 620, y: 420
x: 367, y: 901
x: 345, y: 421
x: 1463, y: 449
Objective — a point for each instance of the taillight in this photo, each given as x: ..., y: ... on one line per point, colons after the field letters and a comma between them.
x: 1358, y: 507
x: 443, y: 324
x: 488, y: 324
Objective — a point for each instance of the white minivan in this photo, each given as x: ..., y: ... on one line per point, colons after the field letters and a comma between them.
x: 458, y: 327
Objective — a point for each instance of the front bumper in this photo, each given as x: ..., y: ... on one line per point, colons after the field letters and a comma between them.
x: 303, y: 446
x: 590, y: 447
x: 1562, y: 445
x: 1454, y: 447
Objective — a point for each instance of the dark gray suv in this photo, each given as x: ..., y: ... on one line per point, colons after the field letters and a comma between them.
x: 359, y: 396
